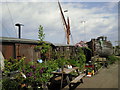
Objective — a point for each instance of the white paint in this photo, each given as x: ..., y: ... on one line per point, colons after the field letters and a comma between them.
x: 1, y: 61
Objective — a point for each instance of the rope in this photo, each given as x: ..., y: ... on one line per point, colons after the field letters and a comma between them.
x: 64, y: 41
x: 11, y: 18
x: 72, y: 39
x: 5, y: 29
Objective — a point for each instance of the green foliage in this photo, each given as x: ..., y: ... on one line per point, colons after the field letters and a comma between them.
x: 81, y: 58
x: 52, y: 65
x: 99, y: 65
x: 39, y: 73
x: 86, y: 48
x: 61, y: 61
x: 112, y: 59
x: 117, y: 47
x: 9, y: 84
x: 36, y: 73
x: 41, y: 34
x: 82, y: 61
x: 80, y: 51
x: 73, y: 62
x: 89, y: 69
x: 12, y: 65
x: 43, y: 47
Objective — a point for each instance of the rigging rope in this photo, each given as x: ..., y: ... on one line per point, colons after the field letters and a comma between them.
x: 11, y: 18
x: 72, y: 39
x: 64, y: 42
x: 5, y: 29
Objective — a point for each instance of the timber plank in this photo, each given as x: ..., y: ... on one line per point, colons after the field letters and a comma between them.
x: 78, y: 78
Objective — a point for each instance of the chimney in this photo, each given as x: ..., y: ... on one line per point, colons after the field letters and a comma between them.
x: 19, y: 29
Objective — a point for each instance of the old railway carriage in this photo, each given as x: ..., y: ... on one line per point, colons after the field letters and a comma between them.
x: 100, y: 47
x: 68, y: 51
x: 14, y: 47
x: 17, y: 48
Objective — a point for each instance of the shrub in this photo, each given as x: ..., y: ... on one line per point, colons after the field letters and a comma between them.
x: 12, y: 65
x: 9, y: 84
x: 38, y: 73
x: 112, y: 59
x: 61, y: 61
x: 79, y: 60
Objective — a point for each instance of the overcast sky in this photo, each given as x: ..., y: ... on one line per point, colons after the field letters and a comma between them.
x: 101, y: 19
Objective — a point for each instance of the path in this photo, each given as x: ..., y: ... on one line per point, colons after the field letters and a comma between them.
x: 106, y: 78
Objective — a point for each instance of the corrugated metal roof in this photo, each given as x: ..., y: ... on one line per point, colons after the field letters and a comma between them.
x: 30, y: 41
x: 17, y: 40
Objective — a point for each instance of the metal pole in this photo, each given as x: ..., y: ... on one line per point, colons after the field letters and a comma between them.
x: 19, y: 34
x: 84, y: 28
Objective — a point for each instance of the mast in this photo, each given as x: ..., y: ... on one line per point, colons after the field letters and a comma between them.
x: 68, y: 31
x: 66, y: 24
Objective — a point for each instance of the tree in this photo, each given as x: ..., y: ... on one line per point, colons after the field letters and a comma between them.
x: 42, y: 46
x: 41, y: 34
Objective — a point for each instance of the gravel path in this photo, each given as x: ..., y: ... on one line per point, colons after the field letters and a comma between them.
x: 106, y: 78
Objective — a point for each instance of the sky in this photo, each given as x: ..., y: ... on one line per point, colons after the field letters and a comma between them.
x: 101, y: 19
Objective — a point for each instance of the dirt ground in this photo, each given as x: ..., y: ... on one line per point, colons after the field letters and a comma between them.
x: 105, y: 78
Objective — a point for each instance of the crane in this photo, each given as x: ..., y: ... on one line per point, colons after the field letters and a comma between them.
x: 65, y: 24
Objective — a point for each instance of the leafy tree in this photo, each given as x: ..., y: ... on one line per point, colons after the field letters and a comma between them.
x: 41, y: 34
x: 43, y: 47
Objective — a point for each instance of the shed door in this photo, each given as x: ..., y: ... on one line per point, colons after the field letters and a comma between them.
x: 8, y: 51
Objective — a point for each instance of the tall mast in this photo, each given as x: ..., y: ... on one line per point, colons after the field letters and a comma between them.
x: 68, y: 31
x: 66, y: 24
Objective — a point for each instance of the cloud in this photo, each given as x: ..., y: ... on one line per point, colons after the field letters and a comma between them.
x: 61, y: 0
x: 99, y: 21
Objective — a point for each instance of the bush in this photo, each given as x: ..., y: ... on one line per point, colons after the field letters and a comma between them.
x: 112, y: 59
x: 61, y: 62
x: 79, y: 60
x: 36, y: 73
x: 73, y: 62
x: 12, y: 65
x: 9, y: 84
